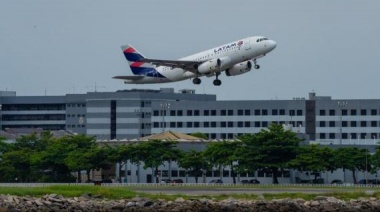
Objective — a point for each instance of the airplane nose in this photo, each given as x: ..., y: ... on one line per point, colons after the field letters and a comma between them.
x: 272, y: 44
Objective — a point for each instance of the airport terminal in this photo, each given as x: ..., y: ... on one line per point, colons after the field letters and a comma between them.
x: 128, y: 115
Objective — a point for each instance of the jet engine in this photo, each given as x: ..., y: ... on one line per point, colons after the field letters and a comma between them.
x: 239, y: 68
x: 224, y: 62
x: 208, y: 66
x: 214, y: 65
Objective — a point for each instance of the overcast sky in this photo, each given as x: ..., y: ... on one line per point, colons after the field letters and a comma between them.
x: 60, y: 47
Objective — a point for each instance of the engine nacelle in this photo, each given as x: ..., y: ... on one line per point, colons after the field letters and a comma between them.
x: 208, y: 66
x: 224, y: 62
x: 240, y: 68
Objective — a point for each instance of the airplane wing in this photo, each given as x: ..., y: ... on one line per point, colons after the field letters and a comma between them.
x: 184, y: 64
x: 137, y: 77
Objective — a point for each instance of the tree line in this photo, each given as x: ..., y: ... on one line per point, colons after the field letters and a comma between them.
x: 44, y: 158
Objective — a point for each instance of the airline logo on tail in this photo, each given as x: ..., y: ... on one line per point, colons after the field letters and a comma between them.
x: 139, y: 68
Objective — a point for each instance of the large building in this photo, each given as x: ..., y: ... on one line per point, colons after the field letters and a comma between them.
x: 132, y: 114
x: 135, y: 113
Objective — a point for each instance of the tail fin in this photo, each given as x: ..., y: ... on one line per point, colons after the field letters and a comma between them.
x: 134, y: 57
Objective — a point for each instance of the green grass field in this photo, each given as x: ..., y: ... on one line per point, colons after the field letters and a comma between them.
x: 344, y: 193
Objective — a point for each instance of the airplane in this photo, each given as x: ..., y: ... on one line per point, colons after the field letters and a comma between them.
x: 233, y: 58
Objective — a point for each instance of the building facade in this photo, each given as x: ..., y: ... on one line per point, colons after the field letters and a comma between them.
x: 135, y: 113
x: 131, y: 114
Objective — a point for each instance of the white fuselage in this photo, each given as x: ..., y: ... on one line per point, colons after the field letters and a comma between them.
x: 250, y: 49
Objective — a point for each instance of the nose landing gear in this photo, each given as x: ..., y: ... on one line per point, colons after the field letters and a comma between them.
x: 257, y: 66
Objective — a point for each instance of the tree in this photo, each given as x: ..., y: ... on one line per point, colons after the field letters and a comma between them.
x: 154, y: 152
x: 352, y: 158
x: 271, y: 149
x: 199, y: 135
x: 313, y: 158
x: 194, y: 162
x: 223, y: 154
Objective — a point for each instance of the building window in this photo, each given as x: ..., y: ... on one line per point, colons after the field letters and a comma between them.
x: 331, y: 123
x: 344, y: 135
x: 322, y: 124
x: 240, y: 112
x: 212, y: 135
x: 172, y: 124
x: 206, y: 112
x: 223, y: 136
x: 363, y: 123
x: 363, y: 112
x: 189, y: 112
x: 213, y: 112
x: 374, y: 136
x: 230, y: 135
x: 299, y: 112
x: 344, y: 112
x: 264, y: 124
x: 179, y: 113
x: 240, y: 124
x: 196, y: 124
x: 264, y: 112
x: 247, y: 124
x: 373, y: 112
x: 230, y: 112
x: 230, y: 124
x: 353, y: 112
x: 282, y: 112
x: 322, y: 136
x: 206, y: 124
x: 257, y: 112
x: 247, y: 112
x: 196, y: 112
x: 213, y: 124
x: 292, y: 112
x: 172, y: 112
x: 274, y: 112
x: 156, y: 113
x: 156, y: 124
x: 331, y: 135
x: 223, y: 112
x: 353, y: 135
x: 299, y: 123
x: 363, y: 135
x: 322, y: 112
x: 332, y: 112
x: 179, y: 125
x: 257, y: 124
x: 189, y: 124
x: 344, y: 124
x: 353, y: 123
x: 223, y: 124
x: 373, y: 123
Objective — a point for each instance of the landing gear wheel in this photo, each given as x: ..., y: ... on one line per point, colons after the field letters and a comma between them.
x: 197, y: 81
x: 217, y: 82
x: 257, y: 66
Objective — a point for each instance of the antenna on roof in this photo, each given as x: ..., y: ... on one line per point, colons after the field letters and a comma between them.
x: 95, y: 87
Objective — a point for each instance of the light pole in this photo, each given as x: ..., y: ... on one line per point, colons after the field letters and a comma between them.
x: 341, y: 105
x: 164, y: 107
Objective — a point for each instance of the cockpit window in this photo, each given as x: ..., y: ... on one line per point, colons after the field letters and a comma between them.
x: 261, y: 39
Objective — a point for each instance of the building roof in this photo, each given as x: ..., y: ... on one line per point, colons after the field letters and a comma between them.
x: 170, y: 135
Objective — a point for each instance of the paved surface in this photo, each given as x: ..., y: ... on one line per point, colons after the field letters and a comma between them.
x: 220, y: 191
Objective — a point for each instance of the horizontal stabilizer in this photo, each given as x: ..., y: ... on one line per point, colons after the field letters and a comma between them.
x: 128, y: 77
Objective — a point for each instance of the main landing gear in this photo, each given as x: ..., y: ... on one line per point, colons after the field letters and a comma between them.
x: 217, y: 81
x: 197, y: 81
x: 257, y: 66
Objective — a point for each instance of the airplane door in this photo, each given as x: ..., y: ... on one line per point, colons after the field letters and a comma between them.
x: 247, y: 44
